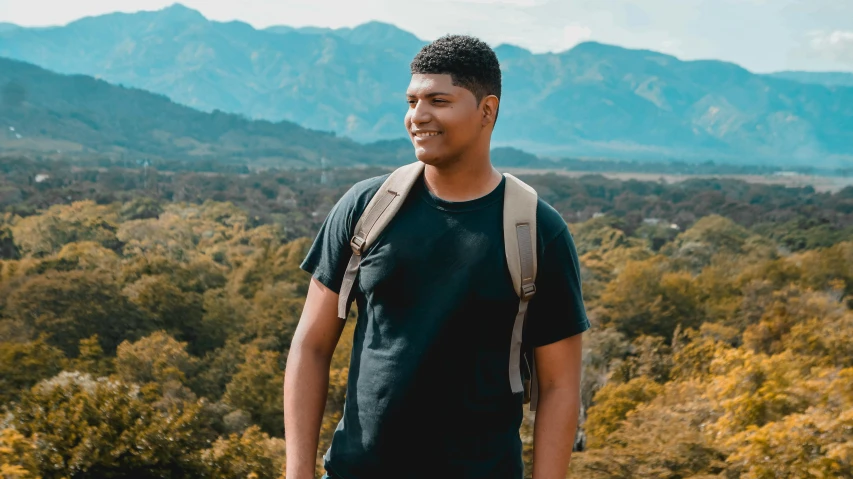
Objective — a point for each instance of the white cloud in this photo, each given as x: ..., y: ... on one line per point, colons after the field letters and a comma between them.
x: 836, y: 45
x: 823, y: 41
x: 574, y: 34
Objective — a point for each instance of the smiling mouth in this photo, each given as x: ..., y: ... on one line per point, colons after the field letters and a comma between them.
x: 425, y: 134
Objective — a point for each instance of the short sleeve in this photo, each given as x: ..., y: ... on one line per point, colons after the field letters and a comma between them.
x: 556, y: 311
x: 329, y: 254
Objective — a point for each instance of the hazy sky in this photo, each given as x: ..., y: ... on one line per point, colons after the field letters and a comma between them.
x: 761, y: 35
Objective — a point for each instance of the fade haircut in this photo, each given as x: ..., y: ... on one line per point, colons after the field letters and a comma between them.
x: 470, y: 63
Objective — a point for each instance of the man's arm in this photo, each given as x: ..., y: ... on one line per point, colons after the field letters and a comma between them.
x: 558, y: 366
x: 306, y: 378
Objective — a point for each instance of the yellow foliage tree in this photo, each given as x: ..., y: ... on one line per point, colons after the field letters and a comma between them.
x: 655, y: 441
x: 612, y: 405
x: 814, y: 444
x: 647, y: 298
x: 155, y: 358
x: 47, y: 233
x: 257, y: 389
x: 252, y: 454
x: 16, y: 460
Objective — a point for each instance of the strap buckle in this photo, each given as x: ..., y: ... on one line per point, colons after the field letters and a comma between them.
x: 357, y: 243
x: 528, y: 290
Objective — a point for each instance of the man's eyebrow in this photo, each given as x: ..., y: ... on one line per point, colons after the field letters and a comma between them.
x: 431, y: 94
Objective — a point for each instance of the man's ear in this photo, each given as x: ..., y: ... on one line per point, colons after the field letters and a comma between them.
x: 489, y: 110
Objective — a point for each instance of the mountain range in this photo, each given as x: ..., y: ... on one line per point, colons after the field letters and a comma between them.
x: 69, y: 116
x: 593, y: 100
x: 53, y: 115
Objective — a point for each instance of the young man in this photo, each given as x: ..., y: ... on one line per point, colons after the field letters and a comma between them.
x: 428, y: 394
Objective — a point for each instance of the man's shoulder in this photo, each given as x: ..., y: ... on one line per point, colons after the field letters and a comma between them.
x: 359, y: 194
x: 367, y: 188
x: 549, y: 223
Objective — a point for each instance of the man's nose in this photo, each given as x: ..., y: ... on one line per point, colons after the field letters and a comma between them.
x: 421, y: 113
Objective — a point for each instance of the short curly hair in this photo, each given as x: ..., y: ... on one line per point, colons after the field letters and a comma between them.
x: 469, y: 61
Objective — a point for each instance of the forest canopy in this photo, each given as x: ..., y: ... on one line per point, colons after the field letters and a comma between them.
x: 145, y: 319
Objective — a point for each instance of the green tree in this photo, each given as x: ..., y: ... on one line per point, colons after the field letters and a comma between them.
x: 647, y: 356
x: 646, y: 298
x: 91, y: 359
x: 655, y: 441
x: 157, y: 358
x: 825, y: 341
x: 218, y: 367
x: 224, y: 316
x: 272, y: 262
x: 257, y: 389
x: 176, y: 311
x: 47, y: 233
x: 8, y: 249
x: 716, y: 235
x: 89, y: 255
x: 24, y: 364
x: 694, y: 350
x: 74, y: 305
x: 828, y: 269
x: 601, y: 234
x: 612, y: 405
x: 787, y: 309
x: 104, y: 428
x: 141, y: 208
x: 252, y: 454
x: 274, y: 317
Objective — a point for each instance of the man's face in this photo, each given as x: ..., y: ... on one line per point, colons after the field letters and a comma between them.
x: 443, y: 120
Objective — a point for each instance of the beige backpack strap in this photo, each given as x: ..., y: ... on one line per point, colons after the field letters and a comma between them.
x: 378, y: 213
x: 520, y: 201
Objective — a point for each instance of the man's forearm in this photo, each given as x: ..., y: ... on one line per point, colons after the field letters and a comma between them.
x: 306, y: 384
x: 554, y: 432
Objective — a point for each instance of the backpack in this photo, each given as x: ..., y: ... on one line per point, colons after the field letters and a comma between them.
x: 519, y: 225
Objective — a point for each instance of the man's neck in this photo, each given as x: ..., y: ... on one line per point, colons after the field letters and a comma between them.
x: 462, y: 180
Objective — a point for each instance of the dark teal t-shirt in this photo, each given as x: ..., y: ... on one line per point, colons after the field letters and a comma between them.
x: 429, y: 393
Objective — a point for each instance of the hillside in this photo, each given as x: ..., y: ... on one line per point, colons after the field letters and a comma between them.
x: 829, y: 79
x: 68, y: 114
x: 320, y: 81
x: 608, y: 97
x: 593, y: 100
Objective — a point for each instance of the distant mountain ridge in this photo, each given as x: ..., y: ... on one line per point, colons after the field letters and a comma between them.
x: 75, y: 115
x: 830, y: 79
x: 377, y: 34
x: 592, y: 100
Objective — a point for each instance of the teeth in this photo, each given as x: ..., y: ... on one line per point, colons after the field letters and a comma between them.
x: 427, y: 133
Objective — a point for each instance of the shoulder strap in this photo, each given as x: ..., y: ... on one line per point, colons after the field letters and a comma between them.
x: 378, y: 213
x: 520, y: 202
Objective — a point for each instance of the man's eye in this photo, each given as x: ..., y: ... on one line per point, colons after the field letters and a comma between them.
x: 439, y: 100
x: 412, y: 102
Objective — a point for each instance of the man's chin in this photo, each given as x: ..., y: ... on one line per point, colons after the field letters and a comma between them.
x: 427, y: 157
